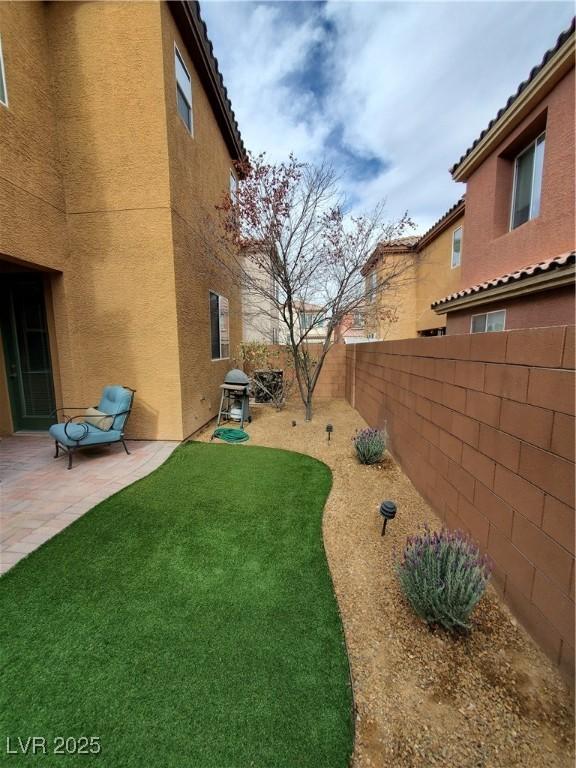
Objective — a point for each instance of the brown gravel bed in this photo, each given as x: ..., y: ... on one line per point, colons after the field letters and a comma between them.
x: 490, y: 700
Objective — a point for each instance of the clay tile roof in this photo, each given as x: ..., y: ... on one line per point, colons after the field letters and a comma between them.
x: 400, y: 242
x: 533, y: 72
x: 415, y: 242
x: 398, y: 245
x: 438, y: 227
x: 557, y: 262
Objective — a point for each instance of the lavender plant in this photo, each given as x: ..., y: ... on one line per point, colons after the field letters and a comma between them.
x: 443, y: 576
x: 370, y: 445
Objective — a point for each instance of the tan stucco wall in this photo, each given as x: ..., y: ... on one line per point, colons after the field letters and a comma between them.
x: 436, y: 278
x: 32, y: 216
x: 101, y: 183
x: 401, y: 299
x: 200, y: 167
x: 429, y: 278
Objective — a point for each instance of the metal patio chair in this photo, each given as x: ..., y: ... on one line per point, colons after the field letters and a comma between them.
x: 101, y: 425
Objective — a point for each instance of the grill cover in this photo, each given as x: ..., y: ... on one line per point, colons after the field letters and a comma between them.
x: 236, y: 376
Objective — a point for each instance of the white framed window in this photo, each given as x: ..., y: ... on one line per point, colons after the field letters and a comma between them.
x: 183, y: 90
x: 233, y: 186
x: 456, y: 248
x: 527, y: 188
x: 488, y: 322
x: 3, y: 91
x: 219, y: 327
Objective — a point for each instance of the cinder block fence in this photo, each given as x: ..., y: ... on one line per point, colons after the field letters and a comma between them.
x: 484, y: 427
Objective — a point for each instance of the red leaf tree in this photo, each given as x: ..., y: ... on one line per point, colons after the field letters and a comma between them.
x: 305, y: 254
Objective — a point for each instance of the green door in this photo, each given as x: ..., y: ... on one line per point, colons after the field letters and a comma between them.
x: 26, y: 351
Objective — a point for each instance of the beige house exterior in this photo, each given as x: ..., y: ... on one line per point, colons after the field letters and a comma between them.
x: 433, y: 263
x: 103, y: 187
x: 260, y: 319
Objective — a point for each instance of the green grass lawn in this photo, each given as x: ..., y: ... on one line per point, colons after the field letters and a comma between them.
x: 187, y: 621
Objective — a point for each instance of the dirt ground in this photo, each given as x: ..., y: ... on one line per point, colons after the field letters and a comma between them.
x: 490, y: 700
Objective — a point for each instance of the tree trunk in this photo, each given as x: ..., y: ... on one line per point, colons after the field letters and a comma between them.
x: 309, y: 409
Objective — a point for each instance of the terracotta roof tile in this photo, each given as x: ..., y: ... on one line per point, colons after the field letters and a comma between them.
x: 400, y: 243
x: 557, y: 262
x: 438, y: 226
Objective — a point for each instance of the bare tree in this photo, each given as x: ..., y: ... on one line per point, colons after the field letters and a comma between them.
x: 307, y: 268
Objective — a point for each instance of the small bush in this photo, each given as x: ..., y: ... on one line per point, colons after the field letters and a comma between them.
x: 443, y: 576
x: 370, y: 445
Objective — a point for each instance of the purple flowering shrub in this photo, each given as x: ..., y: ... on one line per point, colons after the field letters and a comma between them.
x: 443, y: 576
x: 370, y: 445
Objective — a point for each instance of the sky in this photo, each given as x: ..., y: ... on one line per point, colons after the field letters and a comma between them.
x: 390, y: 93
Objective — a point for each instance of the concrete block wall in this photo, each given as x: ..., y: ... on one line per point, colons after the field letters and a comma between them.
x: 484, y: 427
x: 332, y: 379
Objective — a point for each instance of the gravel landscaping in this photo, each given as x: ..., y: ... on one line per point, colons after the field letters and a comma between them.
x: 422, y: 698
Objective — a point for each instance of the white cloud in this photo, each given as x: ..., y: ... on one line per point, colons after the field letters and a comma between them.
x: 408, y: 84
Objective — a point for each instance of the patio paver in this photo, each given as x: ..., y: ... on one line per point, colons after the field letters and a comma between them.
x: 39, y: 497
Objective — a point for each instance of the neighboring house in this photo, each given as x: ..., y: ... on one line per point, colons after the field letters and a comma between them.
x: 260, y: 319
x: 352, y: 329
x: 389, y: 313
x: 433, y: 267
x: 116, y: 136
x: 518, y: 260
x: 310, y: 323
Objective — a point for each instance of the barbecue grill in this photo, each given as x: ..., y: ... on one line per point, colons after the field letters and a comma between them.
x: 235, y: 403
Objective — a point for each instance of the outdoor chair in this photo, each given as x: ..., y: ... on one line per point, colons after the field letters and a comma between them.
x: 102, y: 425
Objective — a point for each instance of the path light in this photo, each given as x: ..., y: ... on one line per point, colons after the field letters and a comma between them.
x: 388, y: 512
x: 329, y: 429
x: 293, y: 423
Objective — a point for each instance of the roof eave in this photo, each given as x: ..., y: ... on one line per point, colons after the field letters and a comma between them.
x: 377, y: 257
x: 551, y: 74
x: 441, y: 226
x: 544, y: 281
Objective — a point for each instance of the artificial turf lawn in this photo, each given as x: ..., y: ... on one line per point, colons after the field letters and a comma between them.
x: 189, y: 620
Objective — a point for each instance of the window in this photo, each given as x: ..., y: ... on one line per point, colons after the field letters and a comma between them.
x: 219, y: 329
x: 357, y: 320
x: 183, y: 90
x: 456, y: 247
x: 370, y: 286
x: 488, y: 322
x: 306, y: 319
x: 233, y: 187
x: 3, y: 92
x: 527, y: 183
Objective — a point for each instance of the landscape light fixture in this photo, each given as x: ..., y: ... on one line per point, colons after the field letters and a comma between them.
x: 329, y: 429
x: 293, y: 423
x: 388, y: 512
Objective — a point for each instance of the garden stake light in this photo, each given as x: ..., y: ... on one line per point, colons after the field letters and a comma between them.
x: 329, y: 429
x: 388, y: 512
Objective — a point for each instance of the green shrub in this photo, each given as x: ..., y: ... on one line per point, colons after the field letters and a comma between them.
x: 443, y: 576
x: 370, y: 445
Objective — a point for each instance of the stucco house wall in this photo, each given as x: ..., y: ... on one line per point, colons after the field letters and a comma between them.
x: 102, y: 189
x: 540, y: 310
x: 200, y: 166
x: 32, y: 215
x: 492, y: 248
x: 428, y: 276
x: 436, y: 277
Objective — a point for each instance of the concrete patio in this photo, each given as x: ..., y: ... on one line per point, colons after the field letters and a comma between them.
x: 39, y: 496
